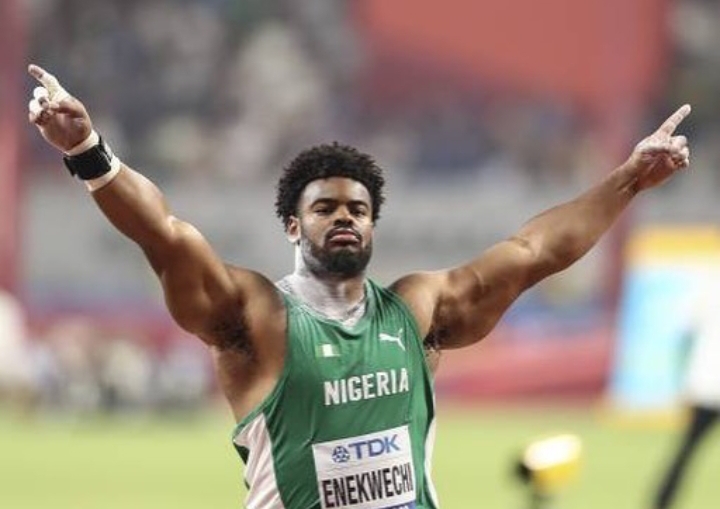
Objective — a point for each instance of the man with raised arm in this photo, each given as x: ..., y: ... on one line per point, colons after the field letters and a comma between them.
x: 328, y: 373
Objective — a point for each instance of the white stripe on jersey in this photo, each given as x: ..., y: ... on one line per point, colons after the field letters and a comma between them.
x: 260, y: 469
x: 429, y: 445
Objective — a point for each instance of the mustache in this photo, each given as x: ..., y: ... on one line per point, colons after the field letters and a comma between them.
x: 343, y: 230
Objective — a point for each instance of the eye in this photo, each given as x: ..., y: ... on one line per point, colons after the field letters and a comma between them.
x: 322, y: 210
x: 359, y: 211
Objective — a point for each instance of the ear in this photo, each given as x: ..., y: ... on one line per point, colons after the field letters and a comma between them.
x: 292, y: 232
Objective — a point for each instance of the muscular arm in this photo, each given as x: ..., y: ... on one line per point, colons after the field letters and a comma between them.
x: 194, y: 280
x: 204, y: 296
x: 459, y: 306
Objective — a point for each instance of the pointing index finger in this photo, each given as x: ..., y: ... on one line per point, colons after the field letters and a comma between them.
x: 47, y: 80
x: 668, y: 127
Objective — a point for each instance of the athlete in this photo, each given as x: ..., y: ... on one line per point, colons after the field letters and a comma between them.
x: 326, y: 371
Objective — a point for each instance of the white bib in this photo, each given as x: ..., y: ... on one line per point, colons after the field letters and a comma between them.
x: 373, y: 471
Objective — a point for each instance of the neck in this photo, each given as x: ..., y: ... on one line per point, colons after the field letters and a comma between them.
x: 327, y: 291
x: 349, y: 290
x: 333, y: 297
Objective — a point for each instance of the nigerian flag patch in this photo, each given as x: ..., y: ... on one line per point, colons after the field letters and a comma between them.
x: 326, y: 351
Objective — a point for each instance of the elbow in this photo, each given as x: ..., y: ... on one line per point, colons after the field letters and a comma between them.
x: 544, y: 260
x: 165, y: 236
x: 560, y: 258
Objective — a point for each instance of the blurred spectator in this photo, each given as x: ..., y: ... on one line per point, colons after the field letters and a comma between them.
x: 281, y: 98
x: 184, y: 376
x: 702, y: 388
x: 125, y: 375
x: 17, y: 386
x: 695, y: 76
x: 75, y: 347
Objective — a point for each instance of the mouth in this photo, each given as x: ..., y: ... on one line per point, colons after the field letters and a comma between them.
x: 343, y: 236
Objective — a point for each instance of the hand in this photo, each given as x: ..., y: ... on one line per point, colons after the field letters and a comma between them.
x: 661, y: 154
x: 60, y: 118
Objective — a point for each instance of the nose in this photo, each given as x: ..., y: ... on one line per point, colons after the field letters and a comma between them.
x: 343, y: 223
x: 343, y: 217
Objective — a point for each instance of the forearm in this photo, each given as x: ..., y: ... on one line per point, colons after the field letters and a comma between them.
x: 563, y: 234
x: 137, y: 208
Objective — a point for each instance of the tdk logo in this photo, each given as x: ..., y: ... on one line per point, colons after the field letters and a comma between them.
x: 373, y: 447
x: 340, y: 454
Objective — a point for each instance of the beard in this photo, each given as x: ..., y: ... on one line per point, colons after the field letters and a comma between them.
x: 343, y: 261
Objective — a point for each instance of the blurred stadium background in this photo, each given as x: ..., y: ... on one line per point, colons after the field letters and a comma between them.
x: 483, y: 113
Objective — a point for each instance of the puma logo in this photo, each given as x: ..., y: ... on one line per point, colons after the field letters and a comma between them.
x: 393, y: 339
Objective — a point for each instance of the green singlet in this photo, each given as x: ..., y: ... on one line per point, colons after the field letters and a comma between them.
x: 350, y: 423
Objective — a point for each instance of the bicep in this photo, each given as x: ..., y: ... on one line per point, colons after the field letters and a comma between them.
x: 476, y: 295
x: 194, y: 280
x: 200, y: 290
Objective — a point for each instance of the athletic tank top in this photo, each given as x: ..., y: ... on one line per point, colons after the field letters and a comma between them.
x: 350, y: 423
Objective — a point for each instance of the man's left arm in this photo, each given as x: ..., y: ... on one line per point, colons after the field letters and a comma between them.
x: 459, y: 306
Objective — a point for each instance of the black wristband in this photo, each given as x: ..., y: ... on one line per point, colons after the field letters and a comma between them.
x: 91, y: 164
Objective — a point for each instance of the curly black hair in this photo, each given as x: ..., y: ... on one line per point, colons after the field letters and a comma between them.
x: 325, y: 161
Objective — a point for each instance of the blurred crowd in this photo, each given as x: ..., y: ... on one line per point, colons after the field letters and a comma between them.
x: 192, y: 89
x: 200, y: 89
x: 189, y: 90
x: 695, y: 77
x: 80, y: 365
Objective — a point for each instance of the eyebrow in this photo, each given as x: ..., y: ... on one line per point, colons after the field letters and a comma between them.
x: 335, y: 201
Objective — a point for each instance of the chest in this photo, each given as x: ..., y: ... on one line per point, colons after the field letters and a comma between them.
x: 342, y: 367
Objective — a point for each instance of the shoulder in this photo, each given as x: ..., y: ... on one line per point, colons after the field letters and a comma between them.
x: 420, y: 282
x: 260, y: 298
x: 252, y: 282
x: 420, y: 292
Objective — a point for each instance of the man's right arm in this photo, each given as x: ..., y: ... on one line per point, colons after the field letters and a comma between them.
x: 204, y: 296
x: 196, y: 283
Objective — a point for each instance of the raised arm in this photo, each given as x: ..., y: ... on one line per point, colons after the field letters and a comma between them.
x: 202, y: 293
x: 460, y: 306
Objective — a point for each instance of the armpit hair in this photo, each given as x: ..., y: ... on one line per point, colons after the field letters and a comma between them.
x: 232, y: 333
x: 434, y: 339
